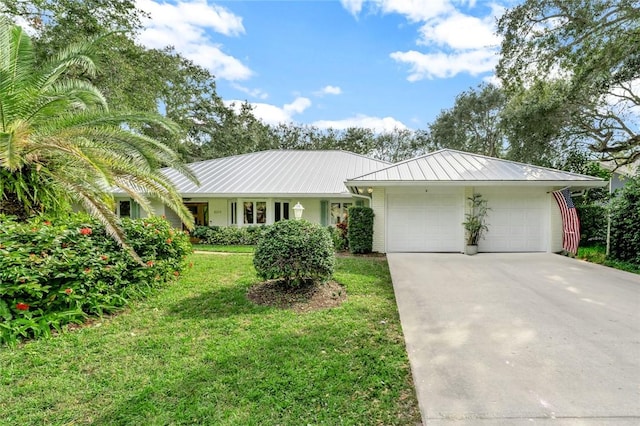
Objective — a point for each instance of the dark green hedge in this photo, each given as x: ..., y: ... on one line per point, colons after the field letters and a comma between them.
x: 593, y: 224
x: 229, y: 235
x: 360, y: 230
x: 625, y: 223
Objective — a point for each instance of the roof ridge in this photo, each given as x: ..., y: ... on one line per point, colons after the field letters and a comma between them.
x: 442, y: 150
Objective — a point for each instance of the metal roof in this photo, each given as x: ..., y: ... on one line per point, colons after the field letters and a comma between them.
x: 276, y: 172
x: 451, y: 166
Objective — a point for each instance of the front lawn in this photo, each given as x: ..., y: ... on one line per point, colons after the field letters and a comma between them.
x: 200, y: 353
x: 597, y: 254
x: 224, y: 249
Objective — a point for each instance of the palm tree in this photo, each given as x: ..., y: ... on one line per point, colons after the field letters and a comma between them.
x: 60, y: 144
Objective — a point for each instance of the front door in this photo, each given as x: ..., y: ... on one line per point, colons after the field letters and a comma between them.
x: 200, y: 212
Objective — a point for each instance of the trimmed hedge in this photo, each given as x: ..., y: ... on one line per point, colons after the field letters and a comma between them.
x: 229, y: 235
x: 295, y: 251
x: 593, y: 224
x: 360, y: 230
x: 625, y: 225
x: 59, y: 271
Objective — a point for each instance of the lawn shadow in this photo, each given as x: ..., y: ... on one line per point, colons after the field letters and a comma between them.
x: 221, y: 302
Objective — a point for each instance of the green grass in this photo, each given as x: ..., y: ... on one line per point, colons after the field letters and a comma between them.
x: 597, y: 254
x: 200, y: 353
x: 224, y: 249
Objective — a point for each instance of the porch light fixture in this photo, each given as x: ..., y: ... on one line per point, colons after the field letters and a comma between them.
x: 297, y: 211
x: 369, y: 190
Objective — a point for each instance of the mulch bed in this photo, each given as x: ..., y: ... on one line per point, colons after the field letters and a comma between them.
x: 305, y: 298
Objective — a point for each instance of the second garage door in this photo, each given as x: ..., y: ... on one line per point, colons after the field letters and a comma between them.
x: 518, y: 220
x: 425, y: 221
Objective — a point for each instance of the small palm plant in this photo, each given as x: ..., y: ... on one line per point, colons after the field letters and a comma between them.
x: 475, y: 223
x: 60, y: 144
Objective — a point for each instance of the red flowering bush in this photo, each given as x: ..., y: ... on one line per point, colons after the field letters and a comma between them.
x: 59, y: 271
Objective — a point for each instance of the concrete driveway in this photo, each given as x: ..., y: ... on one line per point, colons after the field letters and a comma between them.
x: 516, y: 338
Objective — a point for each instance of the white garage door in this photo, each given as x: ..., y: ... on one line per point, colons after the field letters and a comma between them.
x: 517, y: 221
x: 425, y: 222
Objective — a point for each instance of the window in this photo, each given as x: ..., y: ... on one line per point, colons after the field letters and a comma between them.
x: 339, y: 212
x: 248, y: 212
x: 281, y: 210
x: 234, y: 213
x: 254, y: 212
x: 261, y: 212
x: 125, y: 208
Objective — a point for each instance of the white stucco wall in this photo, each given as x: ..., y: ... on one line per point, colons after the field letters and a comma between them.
x: 379, y: 230
x: 555, y: 226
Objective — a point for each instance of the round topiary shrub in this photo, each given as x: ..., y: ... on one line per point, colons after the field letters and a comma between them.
x: 295, y: 251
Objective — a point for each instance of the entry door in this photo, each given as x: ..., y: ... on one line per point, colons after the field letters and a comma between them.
x: 199, y: 212
x: 425, y: 221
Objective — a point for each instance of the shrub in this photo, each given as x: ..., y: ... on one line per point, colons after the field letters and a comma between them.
x: 593, y: 224
x: 59, y: 271
x: 625, y: 226
x: 360, y: 229
x: 229, y: 235
x: 295, y: 251
x: 339, y: 236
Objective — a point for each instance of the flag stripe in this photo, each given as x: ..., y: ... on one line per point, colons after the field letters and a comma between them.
x: 570, y: 221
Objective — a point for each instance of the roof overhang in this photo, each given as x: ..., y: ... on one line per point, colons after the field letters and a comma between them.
x: 194, y: 195
x: 362, y: 186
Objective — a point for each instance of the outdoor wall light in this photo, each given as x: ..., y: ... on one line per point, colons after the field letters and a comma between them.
x: 369, y: 190
x: 297, y: 211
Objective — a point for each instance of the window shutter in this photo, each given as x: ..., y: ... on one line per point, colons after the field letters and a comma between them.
x: 324, y: 210
x: 135, y: 210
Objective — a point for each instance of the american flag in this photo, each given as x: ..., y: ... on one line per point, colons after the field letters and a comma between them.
x: 570, y: 222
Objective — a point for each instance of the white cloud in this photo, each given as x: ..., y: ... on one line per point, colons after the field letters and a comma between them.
x: 190, y: 14
x: 184, y: 25
x: 445, y: 65
x: 416, y: 10
x: 377, y: 124
x: 328, y: 90
x: 272, y: 114
x: 458, y: 36
x: 297, y: 106
x: 459, y: 31
x: 255, y: 93
x: 354, y: 7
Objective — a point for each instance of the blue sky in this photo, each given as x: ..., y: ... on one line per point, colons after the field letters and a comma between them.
x: 378, y: 64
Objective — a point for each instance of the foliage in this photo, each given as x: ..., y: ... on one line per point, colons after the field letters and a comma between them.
x: 590, y: 48
x: 473, y: 124
x: 625, y: 226
x: 475, y: 223
x: 295, y: 251
x: 597, y: 254
x: 592, y: 203
x: 360, y: 229
x: 229, y: 235
x: 201, y: 353
x: 59, y: 141
x: 59, y: 271
x: 534, y: 120
x: 593, y: 223
x: 340, y: 235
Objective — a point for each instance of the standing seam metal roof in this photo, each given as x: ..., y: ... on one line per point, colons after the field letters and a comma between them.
x: 448, y: 165
x: 276, y: 172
